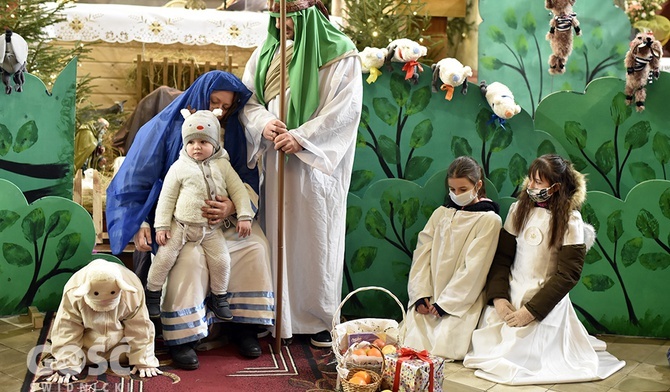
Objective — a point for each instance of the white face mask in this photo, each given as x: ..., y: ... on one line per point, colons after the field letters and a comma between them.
x: 464, y: 198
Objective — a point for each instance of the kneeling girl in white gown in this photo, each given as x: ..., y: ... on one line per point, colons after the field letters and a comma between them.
x: 450, y: 264
x: 531, y: 334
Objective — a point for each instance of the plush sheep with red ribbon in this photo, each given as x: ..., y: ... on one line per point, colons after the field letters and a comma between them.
x: 406, y: 51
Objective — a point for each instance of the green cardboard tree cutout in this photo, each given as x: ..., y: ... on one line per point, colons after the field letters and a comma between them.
x: 626, y: 271
x: 37, y: 136
x: 42, y: 244
x: 616, y: 146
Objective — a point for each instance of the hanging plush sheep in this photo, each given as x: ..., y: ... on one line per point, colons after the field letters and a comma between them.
x: 14, y: 53
x: 452, y: 74
x: 372, y: 59
x: 406, y: 51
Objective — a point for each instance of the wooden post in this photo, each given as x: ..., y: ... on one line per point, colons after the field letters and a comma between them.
x: 152, y: 75
x: 180, y: 81
x: 166, y: 67
x: 138, y: 78
x: 191, y: 74
x: 280, y: 177
x: 76, y: 191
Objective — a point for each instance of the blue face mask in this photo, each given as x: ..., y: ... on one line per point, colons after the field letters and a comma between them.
x: 539, y: 195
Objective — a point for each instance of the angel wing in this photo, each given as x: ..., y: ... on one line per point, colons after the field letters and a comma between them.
x: 589, y: 236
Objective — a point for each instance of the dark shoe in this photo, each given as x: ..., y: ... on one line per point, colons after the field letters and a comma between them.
x: 219, y: 305
x: 184, y: 356
x: 247, y: 342
x: 153, y: 299
x: 321, y: 339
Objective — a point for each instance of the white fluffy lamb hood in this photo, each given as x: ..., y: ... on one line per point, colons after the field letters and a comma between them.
x: 103, y: 285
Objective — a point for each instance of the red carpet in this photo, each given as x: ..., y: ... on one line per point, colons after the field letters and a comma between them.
x: 298, y: 368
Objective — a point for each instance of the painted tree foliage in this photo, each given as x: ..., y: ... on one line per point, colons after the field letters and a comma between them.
x: 625, y: 155
x: 37, y: 136
x: 626, y: 272
x: 41, y: 245
x: 616, y: 146
x: 407, y: 132
x: 514, y: 51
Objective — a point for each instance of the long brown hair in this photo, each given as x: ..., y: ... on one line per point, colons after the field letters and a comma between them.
x: 466, y: 167
x: 555, y: 170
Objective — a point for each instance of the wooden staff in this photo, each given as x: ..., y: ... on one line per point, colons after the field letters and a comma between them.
x: 280, y: 176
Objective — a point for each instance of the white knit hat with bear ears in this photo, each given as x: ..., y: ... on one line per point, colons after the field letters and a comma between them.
x: 203, y: 124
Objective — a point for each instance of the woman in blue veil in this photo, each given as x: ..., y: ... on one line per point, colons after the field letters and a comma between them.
x: 134, y: 190
x: 131, y: 200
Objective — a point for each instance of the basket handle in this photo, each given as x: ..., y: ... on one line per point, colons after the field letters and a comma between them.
x: 336, y: 316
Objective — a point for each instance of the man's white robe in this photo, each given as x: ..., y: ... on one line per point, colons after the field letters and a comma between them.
x: 316, y: 185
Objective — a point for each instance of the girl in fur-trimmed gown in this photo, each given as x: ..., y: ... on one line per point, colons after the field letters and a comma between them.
x: 452, y: 258
x: 531, y: 334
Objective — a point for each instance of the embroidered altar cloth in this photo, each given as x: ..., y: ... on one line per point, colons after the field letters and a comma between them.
x: 118, y: 23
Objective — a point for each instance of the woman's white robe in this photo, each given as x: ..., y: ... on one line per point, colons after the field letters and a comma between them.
x: 452, y: 258
x: 557, y: 349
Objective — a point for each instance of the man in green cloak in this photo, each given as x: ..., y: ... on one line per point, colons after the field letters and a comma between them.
x: 324, y: 97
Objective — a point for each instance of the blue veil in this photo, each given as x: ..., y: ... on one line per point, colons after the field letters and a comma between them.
x: 134, y: 190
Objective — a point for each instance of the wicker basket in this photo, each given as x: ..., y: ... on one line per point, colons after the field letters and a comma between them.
x: 340, y: 336
x: 373, y: 386
x: 351, y: 361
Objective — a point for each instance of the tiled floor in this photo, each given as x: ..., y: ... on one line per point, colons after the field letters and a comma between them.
x: 646, y: 368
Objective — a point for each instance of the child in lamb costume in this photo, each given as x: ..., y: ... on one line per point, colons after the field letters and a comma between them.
x: 102, y: 308
x: 202, y: 172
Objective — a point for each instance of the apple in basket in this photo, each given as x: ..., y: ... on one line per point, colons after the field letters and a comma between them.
x: 379, y: 343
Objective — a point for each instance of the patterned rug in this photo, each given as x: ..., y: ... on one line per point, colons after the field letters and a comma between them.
x: 297, y: 368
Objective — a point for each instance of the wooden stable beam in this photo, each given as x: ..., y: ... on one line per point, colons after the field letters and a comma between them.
x: 179, y: 74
